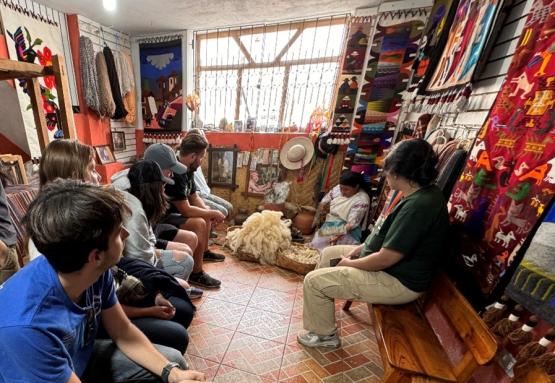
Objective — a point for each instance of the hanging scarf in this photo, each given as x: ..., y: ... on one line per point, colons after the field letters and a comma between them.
x: 107, y: 106
x: 129, y: 103
x: 89, y: 77
x: 114, y: 84
x: 127, y: 78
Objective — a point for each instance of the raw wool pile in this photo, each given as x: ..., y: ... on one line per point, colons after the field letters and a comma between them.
x: 303, y: 254
x: 262, y: 235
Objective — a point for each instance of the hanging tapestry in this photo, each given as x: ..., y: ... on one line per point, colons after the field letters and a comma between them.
x: 509, y: 177
x: 467, y: 37
x: 161, y: 84
x: 32, y: 40
x: 387, y: 75
x: 432, y: 42
x: 533, y: 284
x: 349, y: 80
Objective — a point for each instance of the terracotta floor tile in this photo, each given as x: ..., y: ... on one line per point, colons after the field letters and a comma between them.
x: 280, y: 282
x: 228, y: 374
x: 208, y: 341
x: 272, y: 300
x: 219, y: 313
x: 254, y: 355
x: 232, y: 292
x: 208, y: 367
x: 265, y: 324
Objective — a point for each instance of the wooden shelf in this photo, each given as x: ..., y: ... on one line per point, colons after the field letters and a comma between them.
x: 10, y: 69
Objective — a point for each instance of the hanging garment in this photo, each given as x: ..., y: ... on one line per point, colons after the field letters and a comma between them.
x: 450, y: 173
x: 107, y: 106
x: 127, y: 77
x: 89, y: 78
x: 114, y: 84
x: 129, y: 103
x: 118, y: 61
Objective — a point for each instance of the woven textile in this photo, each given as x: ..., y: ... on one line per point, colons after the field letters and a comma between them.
x: 432, y: 42
x: 89, y: 78
x: 533, y: 284
x: 19, y: 198
x: 509, y: 177
x: 391, y: 56
x: 107, y: 106
x: 120, y: 111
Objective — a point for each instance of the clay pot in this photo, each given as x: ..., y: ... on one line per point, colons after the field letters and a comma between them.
x: 241, y: 216
x: 274, y: 206
x: 303, y: 220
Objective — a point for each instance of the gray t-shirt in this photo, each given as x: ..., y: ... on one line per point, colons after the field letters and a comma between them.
x: 7, y: 231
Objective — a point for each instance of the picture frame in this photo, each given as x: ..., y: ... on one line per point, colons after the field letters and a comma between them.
x: 118, y: 139
x: 261, y: 177
x: 222, y: 166
x: 251, y: 124
x: 238, y: 126
x: 104, y: 153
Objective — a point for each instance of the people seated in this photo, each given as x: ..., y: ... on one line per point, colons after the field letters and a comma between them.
x: 71, y: 159
x: 187, y: 210
x: 348, y: 205
x: 396, y: 263
x: 57, y: 301
x: 9, y: 263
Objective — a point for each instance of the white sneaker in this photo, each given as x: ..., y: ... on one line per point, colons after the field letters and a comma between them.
x: 311, y: 339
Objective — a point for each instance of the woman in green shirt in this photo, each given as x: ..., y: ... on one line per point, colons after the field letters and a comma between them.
x: 396, y: 263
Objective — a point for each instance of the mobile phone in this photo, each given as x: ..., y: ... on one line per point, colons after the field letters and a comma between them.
x: 334, y: 261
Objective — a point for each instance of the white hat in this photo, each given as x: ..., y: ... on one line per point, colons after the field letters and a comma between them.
x: 296, y: 153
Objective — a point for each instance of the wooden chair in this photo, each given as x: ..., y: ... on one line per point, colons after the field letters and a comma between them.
x: 14, y: 165
x: 412, y: 346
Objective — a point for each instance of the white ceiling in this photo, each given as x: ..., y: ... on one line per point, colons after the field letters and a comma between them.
x: 150, y: 16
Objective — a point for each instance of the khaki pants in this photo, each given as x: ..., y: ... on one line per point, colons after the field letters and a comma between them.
x: 9, y: 266
x: 325, y: 284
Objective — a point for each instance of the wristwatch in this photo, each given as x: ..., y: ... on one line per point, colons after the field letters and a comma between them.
x: 166, y: 371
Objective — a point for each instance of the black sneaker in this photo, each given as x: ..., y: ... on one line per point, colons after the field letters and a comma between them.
x: 194, y: 292
x: 204, y: 280
x: 213, y: 234
x: 210, y: 256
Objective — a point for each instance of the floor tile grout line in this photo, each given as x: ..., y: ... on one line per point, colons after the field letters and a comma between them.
x: 288, y: 330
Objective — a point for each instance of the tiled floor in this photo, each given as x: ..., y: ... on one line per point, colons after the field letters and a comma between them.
x: 246, y: 332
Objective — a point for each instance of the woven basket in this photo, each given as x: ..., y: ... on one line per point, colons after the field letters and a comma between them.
x: 293, y: 265
x: 281, y: 260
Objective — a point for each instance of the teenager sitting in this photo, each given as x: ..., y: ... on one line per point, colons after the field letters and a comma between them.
x: 57, y: 301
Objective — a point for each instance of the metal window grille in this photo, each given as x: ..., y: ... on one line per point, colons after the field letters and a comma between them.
x: 274, y: 73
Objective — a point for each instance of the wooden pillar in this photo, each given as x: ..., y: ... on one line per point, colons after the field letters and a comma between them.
x: 64, y: 97
x: 33, y: 87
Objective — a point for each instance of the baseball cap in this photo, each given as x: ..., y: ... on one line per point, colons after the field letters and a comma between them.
x: 164, y: 156
x: 146, y: 172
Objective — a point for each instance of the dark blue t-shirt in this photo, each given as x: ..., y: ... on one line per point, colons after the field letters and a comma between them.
x: 44, y: 336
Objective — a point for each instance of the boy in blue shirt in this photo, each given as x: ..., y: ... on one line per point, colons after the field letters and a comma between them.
x: 51, y: 309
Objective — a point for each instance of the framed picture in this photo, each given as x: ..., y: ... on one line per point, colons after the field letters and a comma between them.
x: 105, y: 154
x: 260, y: 178
x: 238, y: 126
x: 118, y: 138
x: 251, y: 124
x: 222, y: 166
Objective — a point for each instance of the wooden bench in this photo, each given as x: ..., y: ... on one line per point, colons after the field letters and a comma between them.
x: 417, y: 340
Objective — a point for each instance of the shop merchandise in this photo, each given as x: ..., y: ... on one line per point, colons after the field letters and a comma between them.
x: 509, y: 178
x: 89, y: 78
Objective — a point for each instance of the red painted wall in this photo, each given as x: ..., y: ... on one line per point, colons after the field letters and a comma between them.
x: 251, y: 141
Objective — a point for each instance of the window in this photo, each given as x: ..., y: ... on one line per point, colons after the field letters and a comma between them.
x: 277, y: 74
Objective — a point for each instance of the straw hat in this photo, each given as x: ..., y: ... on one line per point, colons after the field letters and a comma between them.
x: 296, y: 153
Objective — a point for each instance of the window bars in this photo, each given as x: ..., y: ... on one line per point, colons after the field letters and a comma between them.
x: 274, y: 74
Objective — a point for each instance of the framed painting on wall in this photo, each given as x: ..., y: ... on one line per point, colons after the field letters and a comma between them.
x: 105, y: 154
x: 222, y: 166
x: 261, y: 178
x: 118, y: 138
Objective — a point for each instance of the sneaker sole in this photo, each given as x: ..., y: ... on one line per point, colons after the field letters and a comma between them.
x: 326, y: 344
x: 212, y: 260
x: 204, y: 286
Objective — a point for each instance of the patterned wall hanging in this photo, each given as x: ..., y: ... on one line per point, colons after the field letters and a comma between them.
x: 390, y: 59
x: 161, y: 83
x: 432, y: 42
x: 350, y: 79
x: 509, y: 178
x: 34, y: 40
x: 448, y: 87
x: 533, y: 284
